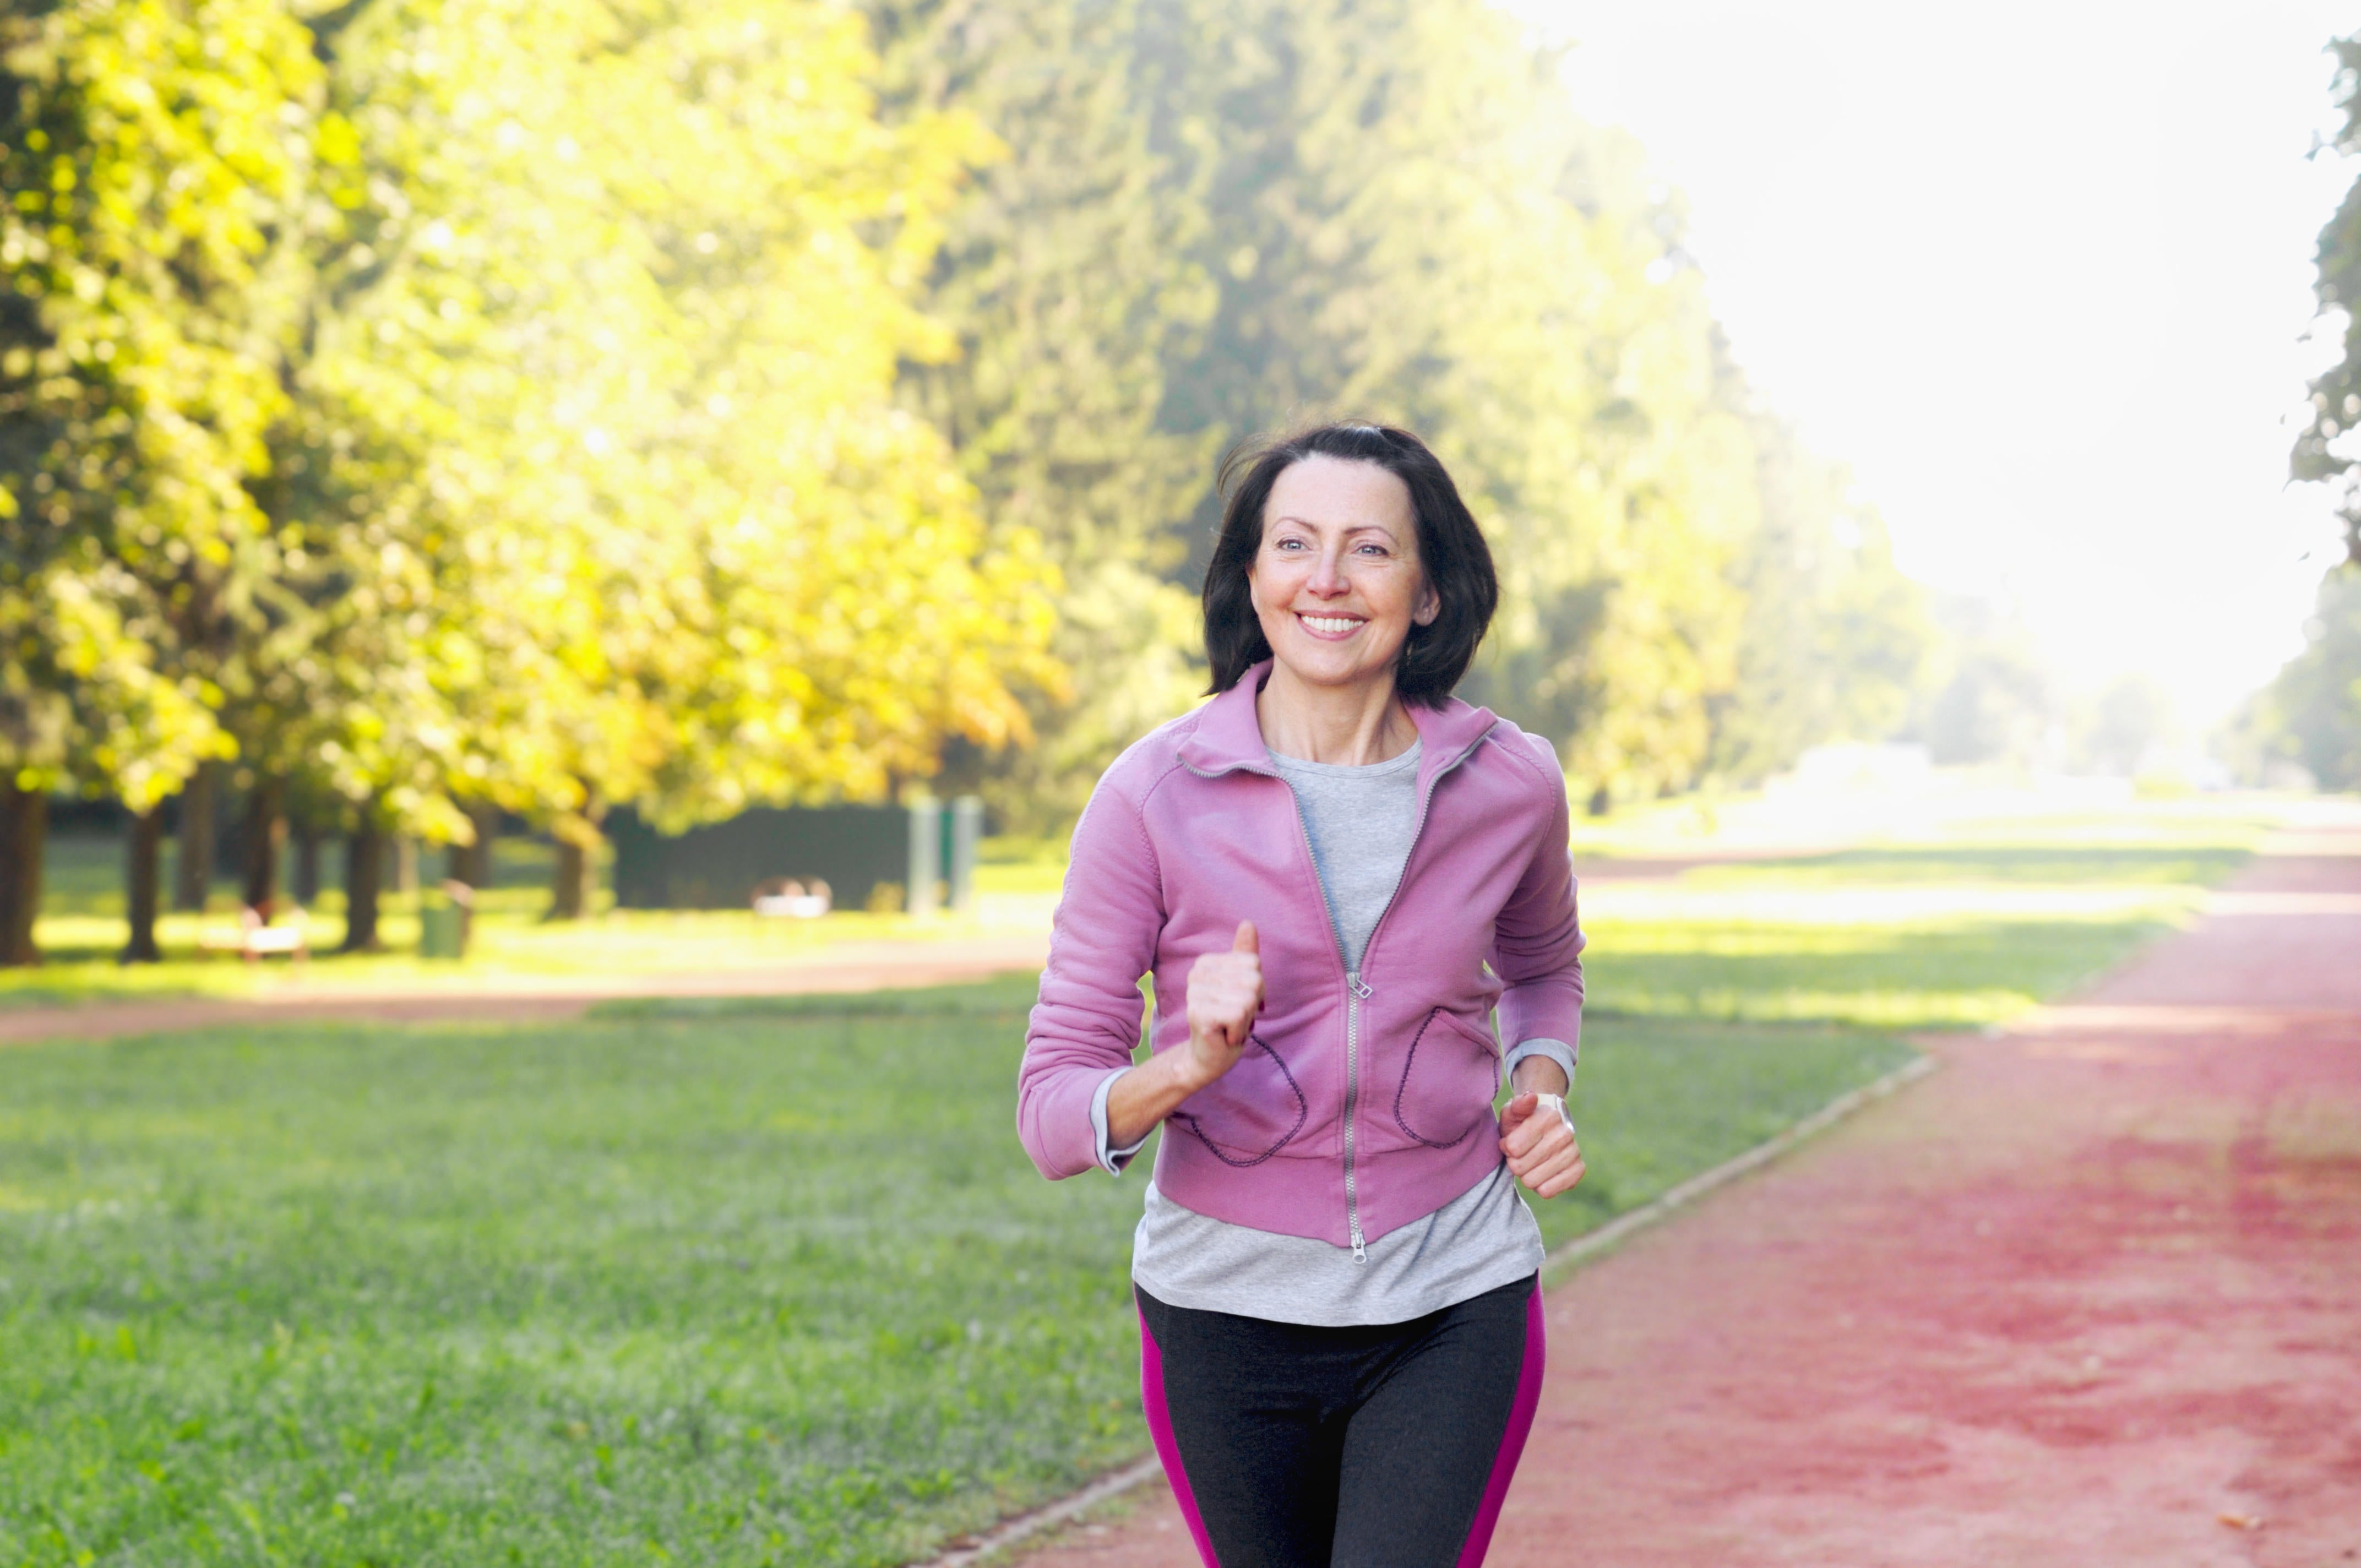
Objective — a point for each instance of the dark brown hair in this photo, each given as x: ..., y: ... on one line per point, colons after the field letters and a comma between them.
x: 1451, y: 551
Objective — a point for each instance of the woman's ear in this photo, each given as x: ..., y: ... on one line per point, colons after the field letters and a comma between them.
x: 1429, y: 605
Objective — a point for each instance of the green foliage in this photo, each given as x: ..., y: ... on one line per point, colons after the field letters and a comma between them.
x: 505, y: 412
x: 1409, y: 221
x: 2323, y: 450
x: 1834, y: 641
x: 688, y: 403
x: 153, y: 161
x: 1212, y: 222
x: 2311, y: 713
x: 637, y: 392
x: 1067, y: 279
x: 1990, y: 699
x: 2114, y: 729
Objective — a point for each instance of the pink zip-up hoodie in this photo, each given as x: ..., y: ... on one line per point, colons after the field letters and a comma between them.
x: 1364, y: 1100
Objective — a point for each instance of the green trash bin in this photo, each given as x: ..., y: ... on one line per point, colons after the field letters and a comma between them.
x: 443, y: 921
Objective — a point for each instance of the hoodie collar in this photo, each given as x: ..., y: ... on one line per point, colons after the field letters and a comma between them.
x: 1228, y: 735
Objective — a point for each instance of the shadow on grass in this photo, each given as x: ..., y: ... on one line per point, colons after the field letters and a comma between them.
x: 1912, y: 975
x: 1004, y: 996
x: 2057, y: 865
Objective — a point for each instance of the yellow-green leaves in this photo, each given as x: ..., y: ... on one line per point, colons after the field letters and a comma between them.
x: 2323, y: 448
x: 1217, y: 217
x: 501, y: 410
x: 155, y: 154
x: 613, y: 360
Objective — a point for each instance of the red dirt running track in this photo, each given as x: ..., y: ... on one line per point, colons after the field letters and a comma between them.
x: 2090, y: 1296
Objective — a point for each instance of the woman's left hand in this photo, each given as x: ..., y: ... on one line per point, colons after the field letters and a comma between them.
x: 1538, y: 1139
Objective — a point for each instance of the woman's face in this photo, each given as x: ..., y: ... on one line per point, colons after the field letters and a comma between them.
x: 1337, y: 583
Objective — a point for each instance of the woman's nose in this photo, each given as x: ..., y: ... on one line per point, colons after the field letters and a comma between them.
x: 1328, y: 575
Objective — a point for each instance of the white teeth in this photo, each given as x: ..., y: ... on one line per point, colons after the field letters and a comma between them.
x: 1329, y: 622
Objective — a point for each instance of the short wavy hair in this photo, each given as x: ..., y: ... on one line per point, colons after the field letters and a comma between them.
x: 1451, y: 551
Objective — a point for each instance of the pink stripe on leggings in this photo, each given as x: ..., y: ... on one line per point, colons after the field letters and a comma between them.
x: 1496, y: 1487
x: 1168, y: 1449
x: 1512, y: 1442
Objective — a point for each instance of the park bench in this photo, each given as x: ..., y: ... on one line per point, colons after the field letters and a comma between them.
x: 256, y: 937
x: 793, y: 900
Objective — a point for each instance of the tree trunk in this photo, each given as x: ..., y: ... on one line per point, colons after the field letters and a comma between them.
x: 266, y: 835
x: 307, y: 863
x: 569, y: 893
x: 1601, y: 802
x: 473, y: 862
x: 364, y: 858
x: 24, y: 835
x: 576, y: 885
x: 194, y: 873
x: 142, y: 875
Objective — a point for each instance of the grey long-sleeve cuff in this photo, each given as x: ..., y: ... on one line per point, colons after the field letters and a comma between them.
x: 1557, y: 1051
x: 1112, y: 1161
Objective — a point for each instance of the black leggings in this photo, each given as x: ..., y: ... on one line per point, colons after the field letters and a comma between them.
x: 1388, y: 1446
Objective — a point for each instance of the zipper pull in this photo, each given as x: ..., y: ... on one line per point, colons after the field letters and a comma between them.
x: 1353, y: 983
x: 1360, y: 1249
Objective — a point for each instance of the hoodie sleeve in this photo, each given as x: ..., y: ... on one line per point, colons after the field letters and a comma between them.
x: 1537, y: 942
x: 1086, y: 1023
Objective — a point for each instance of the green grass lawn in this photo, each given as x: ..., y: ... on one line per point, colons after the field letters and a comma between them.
x: 770, y: 1281
x: 1974, y: 927
x: 721, y: 1286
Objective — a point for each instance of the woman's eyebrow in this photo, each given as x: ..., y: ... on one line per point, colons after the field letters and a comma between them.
x: 1349, y: 528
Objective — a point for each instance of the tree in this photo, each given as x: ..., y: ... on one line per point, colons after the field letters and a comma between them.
x: 1068, y: 282
x: 2325, y: 449
x: 1990, y: 699
x: 1835, y: 640
x: 150, y: 154
x: 2123, y: 724
x: 2310, y: 715
x: 602, y: 489
x: 1407, y: 220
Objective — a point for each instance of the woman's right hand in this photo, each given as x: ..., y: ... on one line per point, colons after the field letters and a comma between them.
x: 1224, y: 997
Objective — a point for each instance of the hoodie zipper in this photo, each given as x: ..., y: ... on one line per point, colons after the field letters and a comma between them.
x: 1354, y: 991
x: 1357, y: 991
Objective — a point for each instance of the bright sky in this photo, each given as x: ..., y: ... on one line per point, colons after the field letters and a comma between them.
x: 2041, y: 273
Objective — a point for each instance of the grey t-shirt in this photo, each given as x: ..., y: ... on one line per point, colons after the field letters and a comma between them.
x: 1360, y: 822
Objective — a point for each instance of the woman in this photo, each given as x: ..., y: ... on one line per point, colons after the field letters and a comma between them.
x: 1333, y: 871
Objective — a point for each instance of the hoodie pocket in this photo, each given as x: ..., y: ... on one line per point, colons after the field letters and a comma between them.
x: 1448, y: 1081
x: 1251, y: 1112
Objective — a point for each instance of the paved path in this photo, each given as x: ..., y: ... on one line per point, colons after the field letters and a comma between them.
x: 2090, y: 1296
x: 842, y: 966
x: 462, y: 999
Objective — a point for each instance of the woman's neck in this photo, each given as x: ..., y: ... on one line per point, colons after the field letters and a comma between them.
x: 1349, y: 726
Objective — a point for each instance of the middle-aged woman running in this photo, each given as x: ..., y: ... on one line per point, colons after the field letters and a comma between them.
x: 1334, y: 870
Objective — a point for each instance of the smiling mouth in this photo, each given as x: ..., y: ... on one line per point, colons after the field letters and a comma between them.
x: 1330, y: 625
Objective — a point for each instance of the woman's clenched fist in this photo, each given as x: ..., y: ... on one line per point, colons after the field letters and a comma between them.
x: 1537, y: 1137
x: 1224, y: 996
